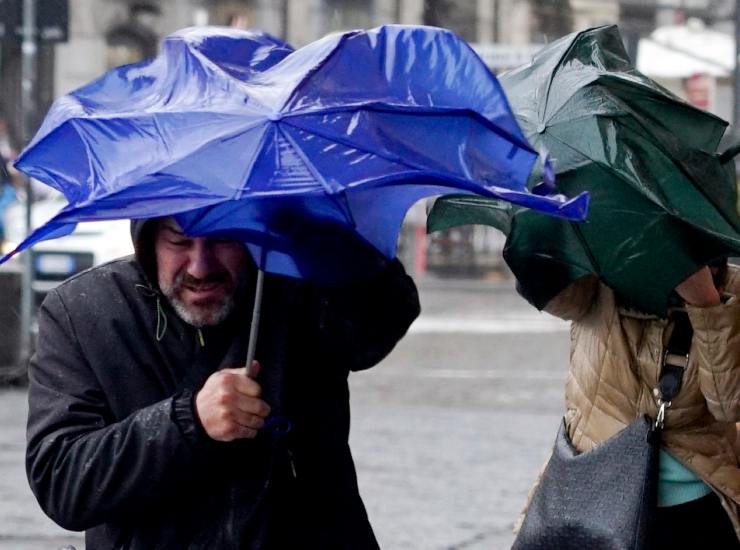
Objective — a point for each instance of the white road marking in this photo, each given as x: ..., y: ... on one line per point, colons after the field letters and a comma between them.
x: 499, y: 325
x: 478, y: 374
x: 555, y: 375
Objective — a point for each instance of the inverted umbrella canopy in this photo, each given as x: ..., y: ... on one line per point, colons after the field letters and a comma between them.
x: 663, y: 201
x: 237, y: 135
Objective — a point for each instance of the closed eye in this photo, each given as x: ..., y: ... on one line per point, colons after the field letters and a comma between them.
x: 178, y: 242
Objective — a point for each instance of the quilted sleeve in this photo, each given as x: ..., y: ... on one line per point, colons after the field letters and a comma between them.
x: 716, y: 345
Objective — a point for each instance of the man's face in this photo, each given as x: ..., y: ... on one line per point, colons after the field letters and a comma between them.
x: 200, y: 276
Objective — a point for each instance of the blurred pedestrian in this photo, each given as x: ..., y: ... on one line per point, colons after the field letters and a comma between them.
x: 7, y: 196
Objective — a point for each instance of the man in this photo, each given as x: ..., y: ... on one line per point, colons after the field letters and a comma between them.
x: 146, y: 429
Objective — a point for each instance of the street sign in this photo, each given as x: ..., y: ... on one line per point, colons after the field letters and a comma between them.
x: 52, y: 21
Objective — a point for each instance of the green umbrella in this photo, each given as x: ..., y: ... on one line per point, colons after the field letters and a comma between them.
x: 663, y: 202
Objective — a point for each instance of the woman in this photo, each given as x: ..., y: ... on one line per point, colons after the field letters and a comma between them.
x: 616, y: 358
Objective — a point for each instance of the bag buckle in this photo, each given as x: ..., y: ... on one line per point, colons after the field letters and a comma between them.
x: 675, y: 359
x: 662, y: 406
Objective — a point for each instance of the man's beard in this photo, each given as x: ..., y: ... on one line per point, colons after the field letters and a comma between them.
x: 201, y: 315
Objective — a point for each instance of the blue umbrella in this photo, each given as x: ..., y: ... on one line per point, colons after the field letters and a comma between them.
x: 238, y: 135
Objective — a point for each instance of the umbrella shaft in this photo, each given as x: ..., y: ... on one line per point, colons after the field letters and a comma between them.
x: 256, y: 311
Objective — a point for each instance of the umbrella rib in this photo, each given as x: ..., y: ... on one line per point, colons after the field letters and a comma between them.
x: 649, y: 196
x: 581, y: 153
x: 88, y: 152
x: 382, y: 107
x: 579, y: 234
x: 354, y: 146
x: 398, y: 160
x: 220, y: 137
x: 71, y: 211
x: 316, y: 67
x: 242, y: 189
x: 328, y: 189
x: 457, y: 182
x: 541, y: 119
x: 691, y: 178
x: 661, y: 144
x: 217, y: 68
x: 586, y: 115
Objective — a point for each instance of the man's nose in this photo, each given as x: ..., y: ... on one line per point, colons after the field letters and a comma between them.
x: 202, y: 262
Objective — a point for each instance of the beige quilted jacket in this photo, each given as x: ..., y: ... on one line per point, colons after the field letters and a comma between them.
x: 614, y: 366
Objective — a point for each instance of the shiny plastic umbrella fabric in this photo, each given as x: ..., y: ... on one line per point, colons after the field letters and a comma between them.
x: 663, y: 202
x: 239, y: 136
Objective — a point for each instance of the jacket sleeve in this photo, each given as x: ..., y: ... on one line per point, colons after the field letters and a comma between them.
x: 84, y: 467
x: 575, y: 301
x: 359, y: 325
x: 716, y: 345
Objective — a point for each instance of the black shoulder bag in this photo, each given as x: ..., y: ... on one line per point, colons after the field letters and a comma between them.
x: 606, y: 498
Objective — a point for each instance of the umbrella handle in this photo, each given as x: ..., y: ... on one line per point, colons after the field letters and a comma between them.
x: 729, y: 153
x: 254, y: 325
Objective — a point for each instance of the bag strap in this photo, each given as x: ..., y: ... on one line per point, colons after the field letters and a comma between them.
x: 675, y: 361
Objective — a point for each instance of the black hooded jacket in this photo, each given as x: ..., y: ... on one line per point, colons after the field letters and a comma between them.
x: 114, y: 447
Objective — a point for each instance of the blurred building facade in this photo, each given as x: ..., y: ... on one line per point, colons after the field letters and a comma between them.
x: 107, y: 33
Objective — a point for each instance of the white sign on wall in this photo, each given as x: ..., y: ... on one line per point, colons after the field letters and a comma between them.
x: 501, y: 57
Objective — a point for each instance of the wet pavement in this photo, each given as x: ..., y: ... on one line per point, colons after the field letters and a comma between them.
x: 23, y: 526
x: 448, y: 431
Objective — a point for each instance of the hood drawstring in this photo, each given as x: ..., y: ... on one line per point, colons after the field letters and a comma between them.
x: 161, y: 321
x: 161, y: 316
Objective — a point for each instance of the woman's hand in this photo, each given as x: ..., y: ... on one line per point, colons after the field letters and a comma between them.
x: 699, y: 290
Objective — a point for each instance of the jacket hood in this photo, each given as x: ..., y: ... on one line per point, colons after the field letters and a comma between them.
x: 142, y: 236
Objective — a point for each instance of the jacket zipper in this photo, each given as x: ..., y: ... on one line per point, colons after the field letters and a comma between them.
x: 292, y: 463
